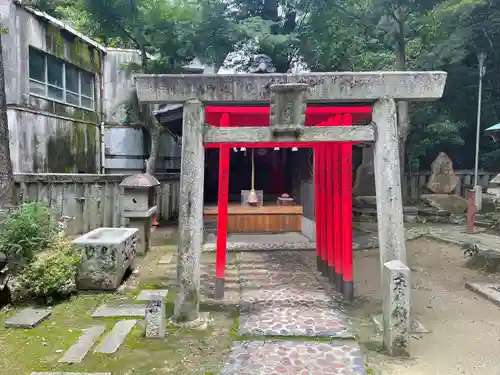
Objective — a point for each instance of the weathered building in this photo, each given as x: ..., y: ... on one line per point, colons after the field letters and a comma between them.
x: 68, y: 99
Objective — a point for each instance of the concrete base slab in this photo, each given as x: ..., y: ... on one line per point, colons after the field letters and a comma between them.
x: 126, y: 310
x: 166, y: 259
x: 415, y: 325
x: 115, y: 338
x: 27, y: 318
x: 79, y: 350
x: 487, y: 290
x: 294, y: 357
x: 148, y: 294
x: 200, y: 324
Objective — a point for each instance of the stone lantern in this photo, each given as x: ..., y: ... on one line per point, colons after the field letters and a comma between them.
x: 139, y: 206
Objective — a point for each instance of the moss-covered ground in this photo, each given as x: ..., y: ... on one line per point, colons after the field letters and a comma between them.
x: 181, y: 352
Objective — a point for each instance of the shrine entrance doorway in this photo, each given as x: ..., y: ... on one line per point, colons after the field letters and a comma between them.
x: 332, y: 173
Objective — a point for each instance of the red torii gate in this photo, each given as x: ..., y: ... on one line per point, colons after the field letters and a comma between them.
x: 332, y: 181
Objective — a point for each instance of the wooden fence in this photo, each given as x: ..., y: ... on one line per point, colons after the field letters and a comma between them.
x: 91, y: 200
x: 416, y: 183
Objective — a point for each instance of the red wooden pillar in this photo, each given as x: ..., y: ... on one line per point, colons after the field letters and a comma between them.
x: 330, y: 202
x: 347, y: 256
x: 337, y: 210
x: 317, y: 200
x: 222, y: 213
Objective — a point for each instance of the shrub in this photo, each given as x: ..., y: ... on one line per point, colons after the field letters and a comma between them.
x: 29, y: 229
x: 51, y: 274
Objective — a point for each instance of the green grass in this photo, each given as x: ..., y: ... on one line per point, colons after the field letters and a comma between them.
x: 39, y: 349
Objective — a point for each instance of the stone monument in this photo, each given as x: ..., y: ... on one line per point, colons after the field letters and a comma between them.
x: 443, y: 179
x: 365, y: 175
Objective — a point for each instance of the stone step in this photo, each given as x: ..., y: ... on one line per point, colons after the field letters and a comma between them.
x: 27, y: 318
x: 148, y: 294
x: 79, y: 350
x: 125, y: 310
x: 293, y: 357
x: 113, y: 340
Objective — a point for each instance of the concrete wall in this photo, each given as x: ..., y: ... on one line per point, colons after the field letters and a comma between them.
x: 47, y: 135
x: 125, y: 145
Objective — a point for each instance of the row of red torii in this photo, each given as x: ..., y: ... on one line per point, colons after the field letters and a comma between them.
x: 332, y: 181
x: 289, y: 111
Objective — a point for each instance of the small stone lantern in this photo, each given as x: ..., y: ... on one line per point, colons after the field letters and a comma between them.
x: 139, y: 206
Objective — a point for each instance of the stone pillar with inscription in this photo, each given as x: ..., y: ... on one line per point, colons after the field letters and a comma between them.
x: 187, y: 303
x: 396, y: 288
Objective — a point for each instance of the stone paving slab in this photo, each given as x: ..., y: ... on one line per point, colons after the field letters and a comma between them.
x: 285, y: 293
x: 166, y: 259
x: 113, y: 340
x: 294, y: 358
x: 147, y: 294
x: 70, y: 373
x: 489, y: 291
x: 117, y: 311
x: 79, y: 350
x: 27, y: 318
x: 280, y: 319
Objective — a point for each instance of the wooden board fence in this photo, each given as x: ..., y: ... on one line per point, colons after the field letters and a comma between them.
x: 91, y: 200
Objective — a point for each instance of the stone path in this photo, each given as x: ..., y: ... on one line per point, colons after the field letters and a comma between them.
x: 282, y: 296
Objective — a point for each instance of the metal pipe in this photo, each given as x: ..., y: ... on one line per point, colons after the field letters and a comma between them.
x: 481, y: 57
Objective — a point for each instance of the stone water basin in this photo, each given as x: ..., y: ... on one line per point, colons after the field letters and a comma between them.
x: 106, y: 255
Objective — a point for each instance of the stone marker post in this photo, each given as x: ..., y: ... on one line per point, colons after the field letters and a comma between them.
x: 396, y: 289
x: 187, y: 304
x: 391, y: 235
x: 155, y: 316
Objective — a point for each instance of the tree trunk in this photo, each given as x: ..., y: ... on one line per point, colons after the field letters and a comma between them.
x: 155, y: 133
x: 7, y: 198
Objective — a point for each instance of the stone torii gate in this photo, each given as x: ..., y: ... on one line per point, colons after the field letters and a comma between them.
x: 288, y: 96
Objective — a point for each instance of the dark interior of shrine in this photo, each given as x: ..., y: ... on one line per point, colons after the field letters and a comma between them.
x: 276, y: 172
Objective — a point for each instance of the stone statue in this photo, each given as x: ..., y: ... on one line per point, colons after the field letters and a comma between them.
x: 365, y: 175
x: 443, y: 179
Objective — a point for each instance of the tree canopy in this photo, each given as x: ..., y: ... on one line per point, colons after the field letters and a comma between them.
x: 327, y: 35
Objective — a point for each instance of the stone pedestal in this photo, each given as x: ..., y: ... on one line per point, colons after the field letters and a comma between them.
x: 144, y: 226
x: 396, y: 289
x: 155, y: 316
x: 106, y: 254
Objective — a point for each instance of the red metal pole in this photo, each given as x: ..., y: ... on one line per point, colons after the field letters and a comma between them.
x: 471, y: 211
x: 222, y: 213
x: 347, y: 256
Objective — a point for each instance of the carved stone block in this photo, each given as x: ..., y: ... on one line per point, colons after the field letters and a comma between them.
x: 396, y: 289
x: 106, y: 254
x: 288, y: 107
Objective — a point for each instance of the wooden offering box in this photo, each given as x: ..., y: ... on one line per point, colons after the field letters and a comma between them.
x: 268, y: 218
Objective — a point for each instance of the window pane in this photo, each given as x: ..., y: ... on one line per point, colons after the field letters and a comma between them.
x: 55, y: 93
x: 37, y: 65
x: 87, y: 84
x: 37, y: 88
x: 72, y: 98
x: 72, y: 78
x: 87, y: 103
x: 54, y: 72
